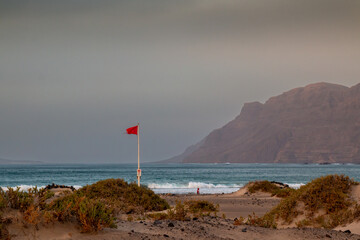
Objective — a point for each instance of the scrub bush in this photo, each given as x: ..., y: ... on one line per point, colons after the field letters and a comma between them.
x: 266, y: 186
x: 325, y: 202
x: 124, y: 197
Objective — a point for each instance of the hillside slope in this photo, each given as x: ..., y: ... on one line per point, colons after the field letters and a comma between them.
x: 313, y: 124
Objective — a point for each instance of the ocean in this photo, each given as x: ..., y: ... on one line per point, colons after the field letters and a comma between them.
x: 171, y: 178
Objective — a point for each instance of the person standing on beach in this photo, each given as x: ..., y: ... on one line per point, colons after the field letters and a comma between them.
x: 198, y: 191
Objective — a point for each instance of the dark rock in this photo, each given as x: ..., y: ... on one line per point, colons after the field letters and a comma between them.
x: 182, y: 229
x: 244, y: 229
x: 53, y: 185
x: 157, y: 222
x: 195, y: 218
x: 171, y: 224
x: 165, y: 235
x: 347, y: 231
x: 280, y: 184
x: 328, y: 236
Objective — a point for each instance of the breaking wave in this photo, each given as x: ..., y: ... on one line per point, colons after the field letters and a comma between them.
x: 191, y: 187
x: 295, y: 185
x: 208, y: 188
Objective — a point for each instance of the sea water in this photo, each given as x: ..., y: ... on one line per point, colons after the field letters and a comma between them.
x: 171, y: 178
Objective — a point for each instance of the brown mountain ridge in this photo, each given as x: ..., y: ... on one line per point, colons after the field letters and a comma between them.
x: 313, y: 124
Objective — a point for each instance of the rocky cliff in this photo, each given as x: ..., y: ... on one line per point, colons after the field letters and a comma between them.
x: 313, y: 124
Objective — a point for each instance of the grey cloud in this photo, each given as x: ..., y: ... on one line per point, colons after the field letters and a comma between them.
x: 75, y: 74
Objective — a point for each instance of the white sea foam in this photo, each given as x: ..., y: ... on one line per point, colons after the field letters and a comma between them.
x: 191, y: 187
x: 22, y: 187
x: 208, y: 188
x: 295, y: 185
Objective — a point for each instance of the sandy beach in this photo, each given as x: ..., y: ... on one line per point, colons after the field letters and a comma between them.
x: 232, y: 205
x: 210, y: 227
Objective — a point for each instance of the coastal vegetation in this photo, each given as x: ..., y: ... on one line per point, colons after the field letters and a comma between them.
x: 275, y: 189
x: 325, y: 202
x: 92, y: 207
x: 124, y: 197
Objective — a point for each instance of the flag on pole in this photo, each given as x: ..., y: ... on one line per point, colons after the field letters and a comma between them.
x: 132, y: 130
x: 135, y: 130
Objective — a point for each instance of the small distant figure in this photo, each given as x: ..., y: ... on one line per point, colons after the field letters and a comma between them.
x: 198, y: 191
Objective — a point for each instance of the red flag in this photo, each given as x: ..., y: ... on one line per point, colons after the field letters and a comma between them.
x: 132, y: 130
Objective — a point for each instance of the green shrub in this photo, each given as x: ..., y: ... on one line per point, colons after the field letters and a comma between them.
x: 19, y: 199
x: 32, y: 215
x: 329, y: 194
x: 266, y: 221
x: 94, y: 206
x: 93, y: 215
x: 201, y: 206
x: 269, y: 187
x: 179, y: 213
x: 62, y: 208
x: 3, y: 200
x: 124, y: 197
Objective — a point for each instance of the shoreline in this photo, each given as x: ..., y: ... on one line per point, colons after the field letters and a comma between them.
x: 165, y: 191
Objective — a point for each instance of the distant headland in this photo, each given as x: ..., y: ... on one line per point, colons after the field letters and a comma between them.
x: 8, y: 161
x: 319, y: 123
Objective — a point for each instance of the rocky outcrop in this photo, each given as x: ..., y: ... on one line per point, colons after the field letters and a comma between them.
x: 313, y: 124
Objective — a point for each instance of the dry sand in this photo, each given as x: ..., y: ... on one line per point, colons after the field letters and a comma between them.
x: 232, y: 205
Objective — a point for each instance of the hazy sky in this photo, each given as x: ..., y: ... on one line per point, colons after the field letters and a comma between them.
x: 74, y: 74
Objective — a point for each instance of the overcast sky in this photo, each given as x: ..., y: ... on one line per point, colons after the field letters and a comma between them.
x: 74, y: 74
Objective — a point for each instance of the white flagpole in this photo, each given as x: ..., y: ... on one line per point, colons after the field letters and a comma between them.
x: 139, y: 171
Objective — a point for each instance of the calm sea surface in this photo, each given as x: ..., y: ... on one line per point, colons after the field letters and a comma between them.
x: 171, y: 178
